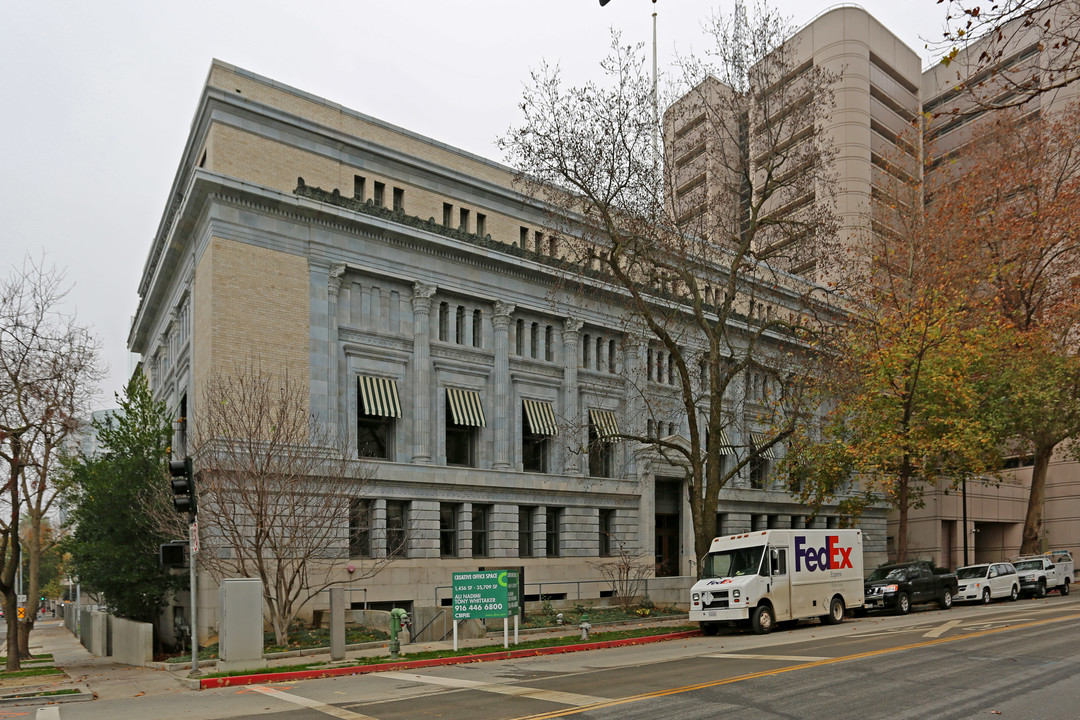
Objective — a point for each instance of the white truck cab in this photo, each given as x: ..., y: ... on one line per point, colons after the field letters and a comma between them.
x: 1040, y: 574
x: 772, y: 576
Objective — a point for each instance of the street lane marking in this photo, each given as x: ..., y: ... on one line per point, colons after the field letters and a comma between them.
x: 942, y: 629
x: 309, y: 703
x: 779, y: 671
x: 788, y: 658
x: 563, y: 698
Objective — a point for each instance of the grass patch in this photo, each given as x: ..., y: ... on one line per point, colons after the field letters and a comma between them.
x: 50, y: 693
x: 549, y: 616
x: 36, y: 658
x: 30, y: 672
x: 300, y: 637
x: 465, y: 652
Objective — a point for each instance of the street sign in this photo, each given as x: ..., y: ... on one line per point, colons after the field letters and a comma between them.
x: 486, y: 594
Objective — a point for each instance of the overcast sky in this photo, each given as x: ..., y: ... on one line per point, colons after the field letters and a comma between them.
x: 98, y: 98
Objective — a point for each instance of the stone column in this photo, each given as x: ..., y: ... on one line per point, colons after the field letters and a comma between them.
x: 421, y: 305
x: 333, y: 392
x: 500, y: 322
x: 635, y: 361
x: 577, y: 430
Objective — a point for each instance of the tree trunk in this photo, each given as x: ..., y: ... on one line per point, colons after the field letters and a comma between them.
x: 33, y: 586
x: 902, y: 507
x: 1033, y: 521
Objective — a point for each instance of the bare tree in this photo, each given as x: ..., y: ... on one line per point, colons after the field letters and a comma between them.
x: 275, y: 490
x: 1006, y: 53
x: 48, y: 371
x: 705, y: 269
x: 626, y: 570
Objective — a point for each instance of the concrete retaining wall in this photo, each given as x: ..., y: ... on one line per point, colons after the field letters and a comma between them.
x: 94, y: 632
x: 132, y: 643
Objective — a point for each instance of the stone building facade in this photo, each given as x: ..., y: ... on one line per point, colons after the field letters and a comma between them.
x: 414, y: 292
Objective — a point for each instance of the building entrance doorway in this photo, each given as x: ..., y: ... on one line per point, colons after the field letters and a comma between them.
x: 668, y: 505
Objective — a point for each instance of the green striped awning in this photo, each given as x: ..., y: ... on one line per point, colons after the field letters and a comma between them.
x: 465, y: 407
x: 379, y: 396
x: 540, y: 416
x: 763, y: 439
x: 604, y: 421
x: 723, y: 438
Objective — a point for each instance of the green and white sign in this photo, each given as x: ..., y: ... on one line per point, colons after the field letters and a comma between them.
x: 486, y: 594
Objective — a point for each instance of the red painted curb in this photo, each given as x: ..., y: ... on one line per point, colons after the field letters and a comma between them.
x: 258, y: 679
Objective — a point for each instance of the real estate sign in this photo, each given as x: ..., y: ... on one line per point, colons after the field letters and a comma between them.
x: 486, y: 594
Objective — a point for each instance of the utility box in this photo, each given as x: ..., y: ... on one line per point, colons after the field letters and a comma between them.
x: 240, y: 631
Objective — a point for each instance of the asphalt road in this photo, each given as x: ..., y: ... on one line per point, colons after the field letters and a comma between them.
x: 1008, y: 660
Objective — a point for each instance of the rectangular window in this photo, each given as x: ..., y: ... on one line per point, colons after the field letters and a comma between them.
x: 525, y: 531
x: 463, y: 217
x: 481, y: 224
x: 549, y: 343
x: 397, y: 536
x: 523, y: 240
x: 607, y: 527
x: 538, y: 242
x: 358, y: 187
x: 464, y: 416
x: 377, y: 405
x: 602, y: 427
x: 481, y: 521
x: 586, y: 350
x: 459, y: 325
x: 399, y: 200
x: 553, y: 246
x: 537, y: 425
x: 552, y: 539
x: 534, y: 339
x: 377, y: 197
x: 444, y: 321
x: 360, y: 527
x: 611, y: 356
x: 448, y: 529
x: 519, y: 337
x: 476, y: 327
x: 759, y: 473
x: 447, y: 214
x: 599, y: 350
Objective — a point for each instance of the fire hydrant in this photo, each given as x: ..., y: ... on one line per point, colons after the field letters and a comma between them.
x: 399, y: 620
x: 585, y: 626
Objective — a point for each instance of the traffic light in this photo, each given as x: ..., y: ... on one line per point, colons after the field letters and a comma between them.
x: 183, y: 485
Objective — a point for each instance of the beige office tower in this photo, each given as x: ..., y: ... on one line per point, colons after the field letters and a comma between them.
x: 875, y: 101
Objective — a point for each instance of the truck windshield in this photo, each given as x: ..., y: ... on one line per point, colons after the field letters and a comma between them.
x: 1029, y: 565
x: 730, y: 563
x: 888, y: 573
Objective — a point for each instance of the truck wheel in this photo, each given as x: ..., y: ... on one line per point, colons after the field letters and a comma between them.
x: 709, y: 629
x: 1040, y: 589
x: 836, y: 612
x: 903, y: 604
x: 762, y: 620
x: 986, y: 596
x: 1065, y: 587
x: 945, y: 601
x: 1015, y: 593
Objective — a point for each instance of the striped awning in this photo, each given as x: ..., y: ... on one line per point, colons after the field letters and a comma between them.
x: 604, y: 422
x: 465, y: 407
x: 723, y: 438
x: 379, y: 396
x: 763, y: 439
x: 540, y: 416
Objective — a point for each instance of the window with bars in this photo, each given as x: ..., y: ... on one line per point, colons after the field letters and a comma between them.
x: 448, y: 529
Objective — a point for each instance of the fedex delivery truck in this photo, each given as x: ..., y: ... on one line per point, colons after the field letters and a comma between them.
x: 770, y: 576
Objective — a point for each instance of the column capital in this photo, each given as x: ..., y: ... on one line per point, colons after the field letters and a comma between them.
x: 571, y: 326
x: 421, y: 298
x: 333, y: 278
x: 504, y: 309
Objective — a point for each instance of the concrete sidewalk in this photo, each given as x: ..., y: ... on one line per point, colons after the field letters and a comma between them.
x: 102, y: 677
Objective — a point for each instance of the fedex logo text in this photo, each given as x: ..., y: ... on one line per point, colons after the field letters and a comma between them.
x: 830, y: 557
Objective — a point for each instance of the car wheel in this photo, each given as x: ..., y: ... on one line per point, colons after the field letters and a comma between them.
x: 903, y: 604
x: 709, y: 629
x: 1015, y: 593
x: 762, y: 620
x: 986, y: 596
x: 1040, y: 589
x: 1065, y: 587
x: 836, y: 612
x: 945, y: 602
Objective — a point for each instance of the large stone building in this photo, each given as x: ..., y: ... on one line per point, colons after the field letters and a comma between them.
x: 412, y: 290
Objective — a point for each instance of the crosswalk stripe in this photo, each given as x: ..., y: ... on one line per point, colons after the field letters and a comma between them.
x: 313, y: 704
x: 563, y: 698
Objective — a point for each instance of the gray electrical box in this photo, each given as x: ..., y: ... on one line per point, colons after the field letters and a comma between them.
x: 240, y: 631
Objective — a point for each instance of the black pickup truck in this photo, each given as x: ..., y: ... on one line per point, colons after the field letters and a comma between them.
x: 898, y: 587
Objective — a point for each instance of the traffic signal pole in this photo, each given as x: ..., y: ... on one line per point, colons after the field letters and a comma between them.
x: 193, y: 551
x: 183, y: 488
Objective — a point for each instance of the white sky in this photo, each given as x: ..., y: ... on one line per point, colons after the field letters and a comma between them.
x: 97, y: 99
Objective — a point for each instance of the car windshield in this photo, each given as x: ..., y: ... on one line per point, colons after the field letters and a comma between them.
x: 888, y: 573
x: 1029, y: 565
x: 731, y: 563
x: 974, y: 571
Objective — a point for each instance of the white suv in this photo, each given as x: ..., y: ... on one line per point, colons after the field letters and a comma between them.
x: 983, y: 583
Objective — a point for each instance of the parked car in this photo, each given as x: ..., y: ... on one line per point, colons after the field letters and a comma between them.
x: 986, y: 582
x: 898, y: 587
x: 1039, y: 574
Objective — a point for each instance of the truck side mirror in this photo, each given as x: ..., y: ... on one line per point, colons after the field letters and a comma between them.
x: 774, y: 561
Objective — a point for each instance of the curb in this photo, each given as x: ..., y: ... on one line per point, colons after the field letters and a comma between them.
x: 30, y: 698
x: 260, y: 678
